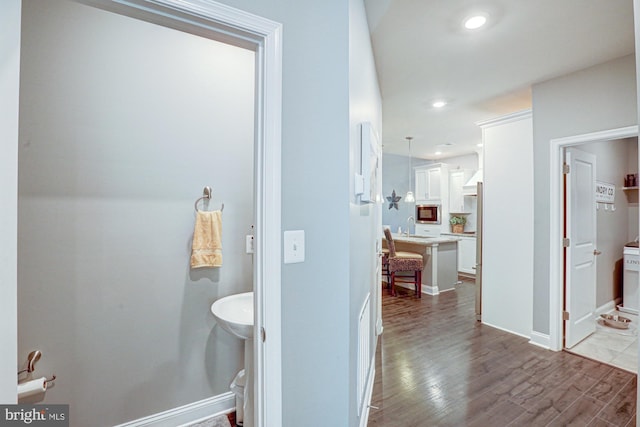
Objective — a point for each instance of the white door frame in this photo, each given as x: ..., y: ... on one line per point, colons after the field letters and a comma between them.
x: 555, y: 226
x: 265, y: 38
x: 10, y: 12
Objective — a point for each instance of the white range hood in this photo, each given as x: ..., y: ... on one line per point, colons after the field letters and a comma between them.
x: 470, y: 188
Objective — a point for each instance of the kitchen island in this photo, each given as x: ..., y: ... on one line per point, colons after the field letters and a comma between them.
x: 440, y: 270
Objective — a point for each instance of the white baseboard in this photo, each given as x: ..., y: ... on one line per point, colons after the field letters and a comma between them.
x: 188, y: 414
x: 544, y: 340
x: 364, y: 417
x: 541, y: 340
x: 430, y: 290
x: 426, y: 289
x: 506, y: 330
x: 607, y: 308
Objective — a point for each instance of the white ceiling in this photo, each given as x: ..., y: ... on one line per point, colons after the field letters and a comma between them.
x: 423, y: 53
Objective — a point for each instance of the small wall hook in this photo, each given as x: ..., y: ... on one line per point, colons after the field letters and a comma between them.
x: 206, y: 192
x: 47, y: 381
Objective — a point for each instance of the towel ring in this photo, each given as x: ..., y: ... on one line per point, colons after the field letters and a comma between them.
x: 206, y: 194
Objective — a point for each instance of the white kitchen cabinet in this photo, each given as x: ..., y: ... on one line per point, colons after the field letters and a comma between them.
x: 457, y: 179
x: 432, y: 182
x: 456, y: 199
x: 467, y: 255
x: 428, y: 230
x: 421, y: 184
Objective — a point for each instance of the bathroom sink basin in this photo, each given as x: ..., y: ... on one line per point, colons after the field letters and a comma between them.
x: 235, y: 314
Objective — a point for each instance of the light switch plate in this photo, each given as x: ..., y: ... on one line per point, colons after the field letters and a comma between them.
x: 293, y: 246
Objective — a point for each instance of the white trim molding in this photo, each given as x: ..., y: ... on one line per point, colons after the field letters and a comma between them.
x: 188, y: 414
x: 541, y: 340
x: 10, y: 25
x: 364, y: 417
x: 556, y: 298
x: 426, y: 289
x: 430, y: 290
x: 507, y: 118
x: 608, y: 307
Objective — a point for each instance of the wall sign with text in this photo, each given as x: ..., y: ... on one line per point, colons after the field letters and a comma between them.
x: 605, y: 193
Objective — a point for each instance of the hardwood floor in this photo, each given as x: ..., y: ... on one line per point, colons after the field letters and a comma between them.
x: 437, y: 366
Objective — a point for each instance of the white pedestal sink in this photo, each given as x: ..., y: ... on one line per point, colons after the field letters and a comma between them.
x: 235, y: 315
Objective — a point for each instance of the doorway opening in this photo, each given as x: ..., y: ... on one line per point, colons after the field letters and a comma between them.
x: 592, y: 218
x: 230, y: 26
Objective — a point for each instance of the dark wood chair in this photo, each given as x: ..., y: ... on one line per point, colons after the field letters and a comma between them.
x: 385, y: 265
x: 403, y: 261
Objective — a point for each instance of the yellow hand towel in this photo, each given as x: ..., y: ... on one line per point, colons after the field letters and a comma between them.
x: 206, y: 250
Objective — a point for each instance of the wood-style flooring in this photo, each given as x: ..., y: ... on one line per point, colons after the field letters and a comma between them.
x: 437, y: 366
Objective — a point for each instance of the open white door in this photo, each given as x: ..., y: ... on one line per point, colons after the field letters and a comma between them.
x: 371, y: 168
x: 580, y: 266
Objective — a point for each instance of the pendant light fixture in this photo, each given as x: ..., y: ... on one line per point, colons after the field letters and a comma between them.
x: 409, y: 197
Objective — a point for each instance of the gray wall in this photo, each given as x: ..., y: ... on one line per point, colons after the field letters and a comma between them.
x: 597, y: 98
x: 365, y: 105
x: 9, y: 79
x: 395, y: 176
x: 614, y: 159
x: 317, y: 140
x: 315, y: 145
x: 122, y: 123
x: 631, y: 196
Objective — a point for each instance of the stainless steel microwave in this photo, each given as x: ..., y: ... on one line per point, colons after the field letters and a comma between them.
x: 428, y: 214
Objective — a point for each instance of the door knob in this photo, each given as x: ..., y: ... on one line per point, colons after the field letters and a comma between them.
x: 596, y: 252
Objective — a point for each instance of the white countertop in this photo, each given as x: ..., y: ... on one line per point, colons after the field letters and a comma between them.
x: 426, y: 241
x: 465, y: 234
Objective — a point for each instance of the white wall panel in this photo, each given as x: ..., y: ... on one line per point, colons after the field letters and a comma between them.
x: 508, y: 224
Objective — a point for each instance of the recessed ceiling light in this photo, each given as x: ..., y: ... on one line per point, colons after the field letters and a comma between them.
x: 480, y: 145
x: 475, y: 22
x: 439, y: 104
x: 438, y: 153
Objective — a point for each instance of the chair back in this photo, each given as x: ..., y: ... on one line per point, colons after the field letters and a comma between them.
x: 390, y: 244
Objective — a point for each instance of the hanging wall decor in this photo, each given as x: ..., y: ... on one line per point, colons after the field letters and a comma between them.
x: 605, y: 192
x: 393, y: 200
